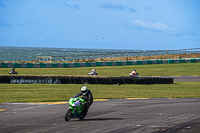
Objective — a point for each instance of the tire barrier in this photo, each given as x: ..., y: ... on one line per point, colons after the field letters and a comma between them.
x: 30, y: 80
x: 84, y: 80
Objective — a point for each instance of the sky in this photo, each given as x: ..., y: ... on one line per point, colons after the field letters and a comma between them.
x: 101, y: 24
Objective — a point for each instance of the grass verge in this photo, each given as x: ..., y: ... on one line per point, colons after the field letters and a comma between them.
x: 143, y: 70
x: 62, y: 92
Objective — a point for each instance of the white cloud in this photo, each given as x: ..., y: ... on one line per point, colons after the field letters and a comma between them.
x: 148, y: 8
x: 72, y: 6
x: 112, y: 5
x: 4, y: 23
x: 160, y: 27
x: 19, y: 24
x: 116, y: 6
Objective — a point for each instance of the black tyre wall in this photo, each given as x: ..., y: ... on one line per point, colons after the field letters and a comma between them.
x: 96, y: 80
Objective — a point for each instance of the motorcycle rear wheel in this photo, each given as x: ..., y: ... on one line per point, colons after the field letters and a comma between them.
x: 68, y: 115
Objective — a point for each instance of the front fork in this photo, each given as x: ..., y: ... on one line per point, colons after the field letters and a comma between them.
x: 73, y: 110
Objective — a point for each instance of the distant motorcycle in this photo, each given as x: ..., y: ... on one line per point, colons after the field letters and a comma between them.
x: 93, y: 72
x: 12, y: 71
x: 75, y: 109
x: 134, y: 74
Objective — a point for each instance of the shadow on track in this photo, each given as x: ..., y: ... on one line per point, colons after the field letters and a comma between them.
x: 102, y: 119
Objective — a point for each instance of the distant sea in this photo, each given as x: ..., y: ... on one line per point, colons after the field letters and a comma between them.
x: 30, y: 53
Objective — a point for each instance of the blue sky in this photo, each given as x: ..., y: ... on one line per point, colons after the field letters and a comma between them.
x: 101, y: 24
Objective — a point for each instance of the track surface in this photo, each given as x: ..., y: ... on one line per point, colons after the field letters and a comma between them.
x: 120, y: 115
x: 186, y: 78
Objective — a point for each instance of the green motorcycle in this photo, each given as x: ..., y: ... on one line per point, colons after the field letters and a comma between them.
x: 75, y: 109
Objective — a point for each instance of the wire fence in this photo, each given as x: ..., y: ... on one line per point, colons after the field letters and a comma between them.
x: 116, y: 55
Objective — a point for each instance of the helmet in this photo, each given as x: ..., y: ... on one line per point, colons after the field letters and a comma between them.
x: 84, y: 90
x: 134, y: 70
x: 93, y: 70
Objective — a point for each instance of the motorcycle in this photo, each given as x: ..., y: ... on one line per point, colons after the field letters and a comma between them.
x: 93, y: 73
x: 12, y: 73
x: 75, y: 109
x: 134, y: 75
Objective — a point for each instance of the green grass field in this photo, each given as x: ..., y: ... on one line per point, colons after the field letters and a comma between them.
x: 143, y: 70
x: 62, y: 92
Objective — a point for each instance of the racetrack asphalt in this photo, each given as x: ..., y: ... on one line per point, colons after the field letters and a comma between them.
x: 111, y: 116
x: 185, y: 78
x: 181, y: 78
x: 158, y: 115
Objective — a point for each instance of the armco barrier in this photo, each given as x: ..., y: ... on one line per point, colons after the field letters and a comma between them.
x: 93, y: 64
x: 84, y: 80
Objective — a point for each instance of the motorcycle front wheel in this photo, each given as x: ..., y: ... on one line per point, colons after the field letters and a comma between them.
x: 68, y: 115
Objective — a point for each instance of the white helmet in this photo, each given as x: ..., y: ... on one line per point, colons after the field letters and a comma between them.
x: 84, y: 90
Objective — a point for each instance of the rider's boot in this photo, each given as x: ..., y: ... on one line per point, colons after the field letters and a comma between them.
x: 83, y: 114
